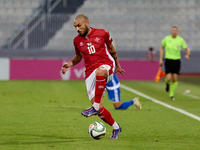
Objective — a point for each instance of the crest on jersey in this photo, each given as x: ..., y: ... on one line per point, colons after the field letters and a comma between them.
x: 177, y: 46
x: 81, y: 44
x: 90, y: 43
x: 97, y: 39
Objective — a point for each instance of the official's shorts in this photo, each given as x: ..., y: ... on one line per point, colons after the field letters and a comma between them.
x: 172, y: 66
x: 91, y: 81
x: 113, y: 89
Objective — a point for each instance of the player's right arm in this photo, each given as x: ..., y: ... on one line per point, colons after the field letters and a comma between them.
x: 73, y: 62
x: 161, y: 55
x: 163, y: 43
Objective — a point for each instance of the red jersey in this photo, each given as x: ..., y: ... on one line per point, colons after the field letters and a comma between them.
x: 94, y: 49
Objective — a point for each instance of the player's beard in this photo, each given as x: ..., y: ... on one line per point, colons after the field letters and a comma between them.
x: 85, y: 31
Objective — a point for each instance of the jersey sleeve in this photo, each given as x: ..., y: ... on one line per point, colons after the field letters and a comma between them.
x: 163, y: 42
x: 76, y: 48
x: 108, y: 38
x: 183, y: 44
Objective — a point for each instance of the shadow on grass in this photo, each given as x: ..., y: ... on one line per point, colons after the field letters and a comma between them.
x: 43, y: 139
x: 191, y: 80
x: 67, y: 108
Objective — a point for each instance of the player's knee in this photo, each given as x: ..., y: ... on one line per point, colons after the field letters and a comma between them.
x: 101, y: 72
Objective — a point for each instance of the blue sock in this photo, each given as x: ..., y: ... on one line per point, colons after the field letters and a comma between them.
x: 125, y: 105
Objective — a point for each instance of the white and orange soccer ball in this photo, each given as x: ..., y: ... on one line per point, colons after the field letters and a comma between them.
x: 97, y: 130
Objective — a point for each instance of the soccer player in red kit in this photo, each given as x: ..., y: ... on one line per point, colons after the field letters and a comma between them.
x: 100, y: 60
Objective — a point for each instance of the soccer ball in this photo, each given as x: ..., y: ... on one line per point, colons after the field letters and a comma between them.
x: 97, y: 130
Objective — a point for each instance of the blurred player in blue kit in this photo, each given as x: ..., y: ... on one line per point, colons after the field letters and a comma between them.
x: 113, y: 89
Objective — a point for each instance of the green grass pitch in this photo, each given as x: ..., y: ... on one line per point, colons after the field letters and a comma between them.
x: 46, y: 115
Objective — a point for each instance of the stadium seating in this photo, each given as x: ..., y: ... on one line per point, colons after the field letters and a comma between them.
x: 12, y: 14
x: 135, y: 24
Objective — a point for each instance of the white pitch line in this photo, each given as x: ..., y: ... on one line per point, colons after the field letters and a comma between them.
x: 161, y: 103
x: 190, y: 95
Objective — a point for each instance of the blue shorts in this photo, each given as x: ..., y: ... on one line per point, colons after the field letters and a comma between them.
x: 113, y: 89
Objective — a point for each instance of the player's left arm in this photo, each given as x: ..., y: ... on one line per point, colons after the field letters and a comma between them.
x: 187, y: 56
x: 114, y: 55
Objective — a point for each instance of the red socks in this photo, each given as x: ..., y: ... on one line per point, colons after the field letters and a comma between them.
x: 105, y: 115
x: 99, y: 88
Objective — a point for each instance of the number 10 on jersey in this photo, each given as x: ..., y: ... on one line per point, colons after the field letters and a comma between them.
x: 91, y: 49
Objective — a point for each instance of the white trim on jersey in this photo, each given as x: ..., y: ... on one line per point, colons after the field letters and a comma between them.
x: 111, y: 58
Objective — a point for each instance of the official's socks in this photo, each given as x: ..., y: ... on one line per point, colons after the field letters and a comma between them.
x: 105, y: 115
x: 173, y: 88
x: 168, y: 82
x: 125, y: 105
